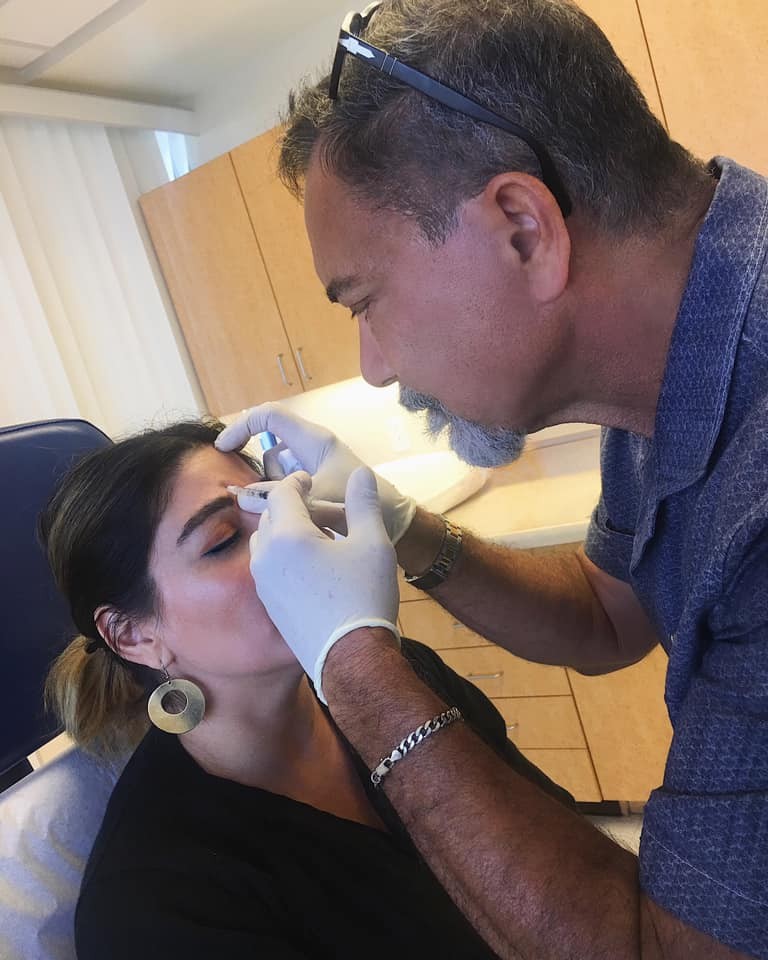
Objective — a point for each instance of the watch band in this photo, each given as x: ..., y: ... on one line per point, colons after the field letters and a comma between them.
x: 449, y: 551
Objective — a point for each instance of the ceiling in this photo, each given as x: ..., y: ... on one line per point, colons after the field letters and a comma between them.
x: 156, y: 51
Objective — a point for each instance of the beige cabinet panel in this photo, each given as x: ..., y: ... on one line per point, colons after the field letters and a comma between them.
x: 572, y: 769
x: 711, y: 62
x: 620, y: 22
x: 500, y: 674
x: 323, y: 335
x: 626, y: 725
x: 211, y: 262
x: 550, y: 722
x: 428, y: 622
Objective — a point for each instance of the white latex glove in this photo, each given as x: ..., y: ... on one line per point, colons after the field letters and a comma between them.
x: 317, y: 590
x: 321, y: 454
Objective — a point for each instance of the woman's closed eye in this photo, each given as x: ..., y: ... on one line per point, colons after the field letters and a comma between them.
x: 223, y: 545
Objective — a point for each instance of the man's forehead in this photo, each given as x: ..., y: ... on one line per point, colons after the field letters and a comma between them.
x: 331, y: 212
x: 346, y: 235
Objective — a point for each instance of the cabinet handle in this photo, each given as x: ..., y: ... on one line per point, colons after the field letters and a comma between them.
x: 302, y: 368
x: 485, y: 676
x: 282, y: 370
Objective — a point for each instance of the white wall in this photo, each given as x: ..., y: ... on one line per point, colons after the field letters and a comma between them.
x: 249, y: 100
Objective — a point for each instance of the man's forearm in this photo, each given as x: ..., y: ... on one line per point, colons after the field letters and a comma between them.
x: 535, y: 879
x: 540, y: 607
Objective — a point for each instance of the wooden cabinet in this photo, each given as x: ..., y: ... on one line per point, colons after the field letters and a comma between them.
x: 431, y: 624
x: 535, y: 701
x: 620, y: 22
x: 572, y: 769
x: 500, y: 674
x: 703, y: 66
x: 322, y: 334
x: 711, y: 63
x: 626, y: 725
x: 234, y: 252
x: 603, y: 738
x: 219, y: 286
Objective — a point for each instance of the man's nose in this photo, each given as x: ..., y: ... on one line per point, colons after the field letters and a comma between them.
x: 373, y: 366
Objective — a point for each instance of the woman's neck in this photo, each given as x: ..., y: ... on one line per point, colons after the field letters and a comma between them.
x: 255, y: 733
x: 280, y: 739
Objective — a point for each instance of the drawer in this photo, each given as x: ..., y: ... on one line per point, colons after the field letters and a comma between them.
x: 500, y: 674
x: 550, y: 722
x: 428, y: 622
x: 572, y: 769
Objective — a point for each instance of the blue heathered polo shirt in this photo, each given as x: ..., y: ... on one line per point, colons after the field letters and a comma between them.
x: 683, y: 518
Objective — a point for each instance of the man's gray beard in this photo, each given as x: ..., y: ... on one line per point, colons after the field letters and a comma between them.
x: 471, y: 442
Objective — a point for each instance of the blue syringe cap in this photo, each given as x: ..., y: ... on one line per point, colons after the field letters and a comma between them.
x: 267, y: 439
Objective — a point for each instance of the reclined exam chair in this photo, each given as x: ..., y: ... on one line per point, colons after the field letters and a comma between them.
x: 48, y: 818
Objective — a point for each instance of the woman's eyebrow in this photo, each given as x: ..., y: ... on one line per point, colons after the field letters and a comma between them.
x: 201, y: 515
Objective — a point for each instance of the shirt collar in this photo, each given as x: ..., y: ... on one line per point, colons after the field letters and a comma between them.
x: 728, y: 256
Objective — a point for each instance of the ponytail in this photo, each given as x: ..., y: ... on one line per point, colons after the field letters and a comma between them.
x: 98, y: 698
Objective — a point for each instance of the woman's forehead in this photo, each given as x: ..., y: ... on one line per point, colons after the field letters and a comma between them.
x: 204, y: 475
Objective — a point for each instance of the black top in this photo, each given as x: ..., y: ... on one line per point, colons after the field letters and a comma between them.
x: 187, y: 865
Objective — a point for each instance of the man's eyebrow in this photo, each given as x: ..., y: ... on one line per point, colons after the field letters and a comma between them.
x: 206, y: 511
x: 339, y: 286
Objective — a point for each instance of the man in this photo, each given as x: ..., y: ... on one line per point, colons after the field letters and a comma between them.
x: 557, y: 259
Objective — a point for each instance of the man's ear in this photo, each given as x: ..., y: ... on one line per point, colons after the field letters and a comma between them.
x: 536, y: 230
x: 126, y: 637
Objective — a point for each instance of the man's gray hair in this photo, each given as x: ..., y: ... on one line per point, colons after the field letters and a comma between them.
x: 543, y: 64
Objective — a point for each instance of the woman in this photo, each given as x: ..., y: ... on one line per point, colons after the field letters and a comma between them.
x: 256, y: 832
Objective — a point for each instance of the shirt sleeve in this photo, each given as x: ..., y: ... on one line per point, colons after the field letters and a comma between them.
x: 606, y: 547
x: 611, y: 533
x: 704, y: 847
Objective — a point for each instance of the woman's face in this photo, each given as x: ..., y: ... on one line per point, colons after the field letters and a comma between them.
x: 212, y: 622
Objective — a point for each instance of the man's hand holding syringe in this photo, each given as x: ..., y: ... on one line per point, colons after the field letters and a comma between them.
x: 315, y: 589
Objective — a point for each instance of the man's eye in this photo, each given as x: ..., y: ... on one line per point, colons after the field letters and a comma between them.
x: 224, y: 545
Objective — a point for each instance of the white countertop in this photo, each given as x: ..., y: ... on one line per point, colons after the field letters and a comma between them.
x: 545, y: 497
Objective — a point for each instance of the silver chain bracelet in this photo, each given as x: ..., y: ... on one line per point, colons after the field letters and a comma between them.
x: 413, y: 740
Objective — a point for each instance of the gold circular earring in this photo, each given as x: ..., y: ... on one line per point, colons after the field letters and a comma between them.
x: 183, y: 720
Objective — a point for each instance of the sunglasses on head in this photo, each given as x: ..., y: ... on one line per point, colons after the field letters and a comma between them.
x: 351, y: 43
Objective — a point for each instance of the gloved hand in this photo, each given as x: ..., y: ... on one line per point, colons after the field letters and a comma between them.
x: 321, y: 454
x: 315, y: 589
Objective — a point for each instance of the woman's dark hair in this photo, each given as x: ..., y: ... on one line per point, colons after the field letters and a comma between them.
x: 98, y: 530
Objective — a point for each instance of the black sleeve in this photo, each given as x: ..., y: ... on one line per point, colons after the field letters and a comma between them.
x: 479, y: 713
x: 167, y: 915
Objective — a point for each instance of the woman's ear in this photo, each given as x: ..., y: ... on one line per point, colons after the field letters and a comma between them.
x: 126, y: 637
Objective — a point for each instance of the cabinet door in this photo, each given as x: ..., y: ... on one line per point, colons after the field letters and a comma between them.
x: 542, y: 722
x: 620, y: 22
x: 211, y: 262
x: 501, y: 674
x: 626, y: 725
x: 323, y: 335
x: 711, y: 62
x: 572, y: 769
x: 428, y: 622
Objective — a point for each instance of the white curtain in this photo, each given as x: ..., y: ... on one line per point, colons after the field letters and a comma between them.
x: 87, y: 327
